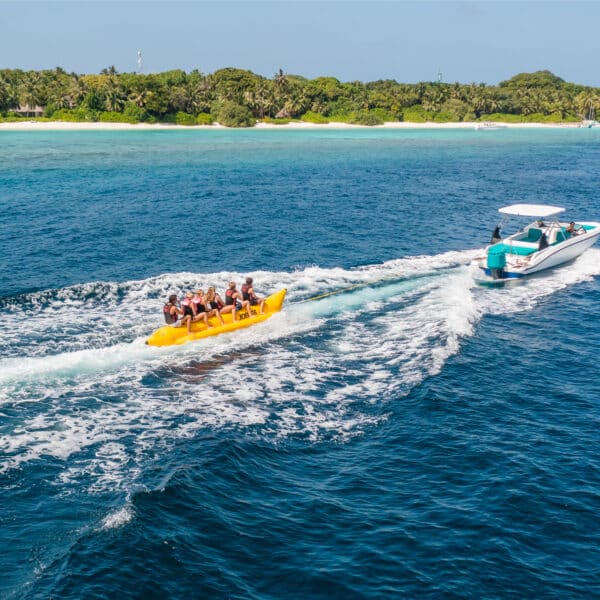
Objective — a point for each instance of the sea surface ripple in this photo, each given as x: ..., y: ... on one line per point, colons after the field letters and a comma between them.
x: 412, y: 436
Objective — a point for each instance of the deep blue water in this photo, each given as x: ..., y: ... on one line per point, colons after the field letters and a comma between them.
x: 416, y: 437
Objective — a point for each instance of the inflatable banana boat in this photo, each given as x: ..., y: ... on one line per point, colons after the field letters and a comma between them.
x: 169, y: 336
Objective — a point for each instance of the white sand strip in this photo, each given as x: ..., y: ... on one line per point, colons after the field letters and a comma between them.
x: 69, y: 126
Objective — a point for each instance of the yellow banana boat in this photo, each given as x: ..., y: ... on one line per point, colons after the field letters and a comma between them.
x: 169, y: 336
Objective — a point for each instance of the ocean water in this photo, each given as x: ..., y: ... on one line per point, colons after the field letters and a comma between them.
x: 413, y: 436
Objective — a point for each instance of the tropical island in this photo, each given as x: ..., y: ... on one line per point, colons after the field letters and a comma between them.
x: 235, y: 97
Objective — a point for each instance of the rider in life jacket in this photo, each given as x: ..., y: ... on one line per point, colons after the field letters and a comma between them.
x: 234, y: 301
x: 186, y: 305
x: 203, y: 308
x: 199, y: 312
x: 213, y: 299
x: 248, y: 294
x: 175, y: 316
x: 214, y: 303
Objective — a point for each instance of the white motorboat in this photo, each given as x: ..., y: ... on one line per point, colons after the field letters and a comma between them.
x: 489, y: 125
x: 543, y: 244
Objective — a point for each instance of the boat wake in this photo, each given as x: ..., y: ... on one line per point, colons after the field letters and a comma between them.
x: 77, y: 381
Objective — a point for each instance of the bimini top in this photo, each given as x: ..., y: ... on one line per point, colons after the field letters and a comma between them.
x: 531, y: 210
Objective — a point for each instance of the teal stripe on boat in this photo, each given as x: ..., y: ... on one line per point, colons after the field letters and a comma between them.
x: 509, y: 249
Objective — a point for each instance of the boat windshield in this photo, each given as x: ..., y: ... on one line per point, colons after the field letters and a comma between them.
x: 530, y: 234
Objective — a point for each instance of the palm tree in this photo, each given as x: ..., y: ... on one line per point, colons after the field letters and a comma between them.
x: 359, y: 95
x: 433, y: 98
x: 261, y: 100
x: 280, y: 80
x: 4, y: 94
x: 296, y: 103
x: 251, y: 103
x: 456, y: 92
x: 58, y: 94
x: 407, y: 96
x: 200, y: 95
x: 114, y: 95
x: 30, y: 93
x: 140, y: 96
x: 78, y: 90
x: 319, y: 106
x: 493, y: 102
x: 478, y: 100
x: 558, y: 104
x: 280, y: 87
x: 265, y: 98
x: 179, y: 98
x: 586, y: 102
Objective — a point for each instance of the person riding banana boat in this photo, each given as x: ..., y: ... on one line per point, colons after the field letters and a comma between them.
x: 249, y: 295
x: 191, y: 308
x: 174, y: 315
x: 235, y: 300
x: 208, y: 315
x: 203, y: 308
x: 200, y: 307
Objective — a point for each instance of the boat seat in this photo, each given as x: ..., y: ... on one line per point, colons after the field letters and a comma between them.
x: 560, y: 236
x: 533, y: 235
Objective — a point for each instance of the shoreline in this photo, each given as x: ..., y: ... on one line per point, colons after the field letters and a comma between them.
x: 99, y: 126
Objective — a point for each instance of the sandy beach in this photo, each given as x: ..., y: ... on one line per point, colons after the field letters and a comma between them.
x: 98, y: 126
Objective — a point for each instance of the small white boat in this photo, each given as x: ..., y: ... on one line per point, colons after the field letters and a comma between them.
x: 489, y: 125
x: 543, y: 244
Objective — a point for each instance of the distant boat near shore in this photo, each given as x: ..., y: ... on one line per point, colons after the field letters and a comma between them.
x: 489, y: 125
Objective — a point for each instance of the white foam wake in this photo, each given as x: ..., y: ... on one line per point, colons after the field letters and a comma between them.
x: 313, y: 370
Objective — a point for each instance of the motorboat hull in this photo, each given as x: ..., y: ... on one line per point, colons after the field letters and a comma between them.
x: 553, y: 256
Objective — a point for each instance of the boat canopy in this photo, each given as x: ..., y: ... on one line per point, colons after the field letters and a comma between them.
x: 531, y: 210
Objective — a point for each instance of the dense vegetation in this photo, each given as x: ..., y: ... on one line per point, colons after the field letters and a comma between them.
x: 237, y: 98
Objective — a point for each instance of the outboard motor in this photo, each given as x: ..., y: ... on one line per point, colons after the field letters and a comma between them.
x: 496, y: 261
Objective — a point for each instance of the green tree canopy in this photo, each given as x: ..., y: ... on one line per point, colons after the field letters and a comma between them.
x: 239, y: 97
x: 539, y: 79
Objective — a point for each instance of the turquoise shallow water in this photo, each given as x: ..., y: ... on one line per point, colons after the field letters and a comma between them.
x: 417, y: 436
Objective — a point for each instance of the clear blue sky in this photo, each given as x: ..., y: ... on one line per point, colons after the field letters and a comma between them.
x: 368, y: 40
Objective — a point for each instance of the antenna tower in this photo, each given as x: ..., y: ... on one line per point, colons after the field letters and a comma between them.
x: 140, y: 62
